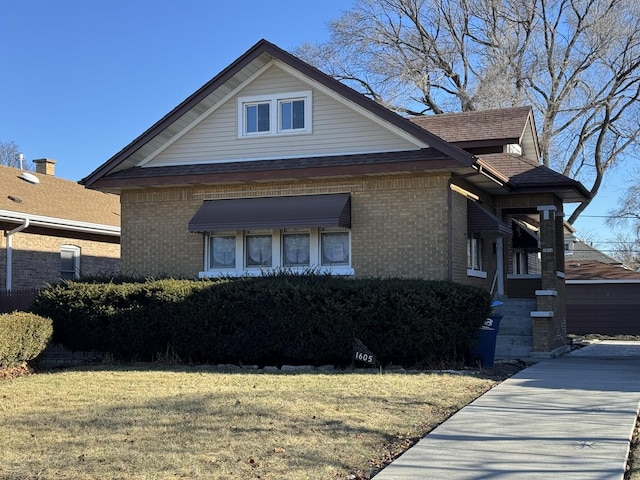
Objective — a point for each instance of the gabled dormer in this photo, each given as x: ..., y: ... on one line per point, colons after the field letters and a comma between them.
x: 510, y: 130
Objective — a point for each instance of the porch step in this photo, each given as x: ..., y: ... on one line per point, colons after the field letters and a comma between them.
x: 515, y: 337
x: 515, y: 325
x: 513, y: 346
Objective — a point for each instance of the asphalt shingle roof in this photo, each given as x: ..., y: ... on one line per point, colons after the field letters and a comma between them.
x: 480, y: 125
x: 595, y: 270
x: 57, y: 198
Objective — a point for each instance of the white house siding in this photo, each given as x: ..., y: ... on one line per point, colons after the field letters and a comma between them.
x: 337, y: 129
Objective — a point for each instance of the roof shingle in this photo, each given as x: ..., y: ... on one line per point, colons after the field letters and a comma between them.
x: 595, y: 270
x: 57, y: 198
x: 480, y: 125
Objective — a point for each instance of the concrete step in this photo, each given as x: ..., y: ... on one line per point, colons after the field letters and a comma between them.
x: 515, y: 326
x: 510, y: 353
x: 514, y: 338
x: 513, y: 346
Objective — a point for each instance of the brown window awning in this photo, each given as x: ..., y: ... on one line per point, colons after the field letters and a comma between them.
x: 332, y: 210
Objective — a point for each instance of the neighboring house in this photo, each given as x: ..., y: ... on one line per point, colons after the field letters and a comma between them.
x: 273, y: 164
x: 54, y: 229
x: 603, y: 296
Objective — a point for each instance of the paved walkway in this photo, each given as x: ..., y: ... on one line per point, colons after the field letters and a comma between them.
x: 566, y: 418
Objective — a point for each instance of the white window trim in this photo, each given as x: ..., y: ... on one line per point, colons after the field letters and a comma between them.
x: 476, y: 272
x: 523, y: 276
x: 274, y: 113
x: 76, y: 252
x: 520, y: 263
x: 241, y: 270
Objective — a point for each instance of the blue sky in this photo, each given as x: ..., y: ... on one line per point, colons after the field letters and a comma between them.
x: 83, y: 78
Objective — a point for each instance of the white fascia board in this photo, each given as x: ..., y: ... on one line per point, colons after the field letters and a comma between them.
x: 60, y: 223
x: 205, y: 115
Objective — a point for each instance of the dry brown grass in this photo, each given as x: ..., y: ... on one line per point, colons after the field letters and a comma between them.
x: 156, y: 423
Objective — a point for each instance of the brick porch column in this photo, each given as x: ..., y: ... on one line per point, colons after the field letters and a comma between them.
x: 549, y: 322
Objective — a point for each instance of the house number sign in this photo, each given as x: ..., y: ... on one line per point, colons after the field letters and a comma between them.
x: 547, y: 250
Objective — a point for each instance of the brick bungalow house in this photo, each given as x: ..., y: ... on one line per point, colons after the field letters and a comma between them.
x: 273, y: 164
x: 54, y: 229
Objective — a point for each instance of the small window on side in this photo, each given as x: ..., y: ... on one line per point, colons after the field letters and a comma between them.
x: 69, y: 262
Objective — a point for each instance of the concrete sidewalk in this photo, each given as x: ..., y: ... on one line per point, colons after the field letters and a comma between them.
x: 566, y: 418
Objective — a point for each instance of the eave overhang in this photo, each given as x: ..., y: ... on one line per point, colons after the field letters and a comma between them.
x: 7, y: 216
x: 425, y: 160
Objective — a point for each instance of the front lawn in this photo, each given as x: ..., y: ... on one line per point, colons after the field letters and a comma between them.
x: 148, y: 422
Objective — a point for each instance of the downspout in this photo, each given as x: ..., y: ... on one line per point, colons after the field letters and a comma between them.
x: 9, y: 235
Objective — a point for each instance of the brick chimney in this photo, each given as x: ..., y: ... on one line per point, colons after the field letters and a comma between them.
x: 46, y: 166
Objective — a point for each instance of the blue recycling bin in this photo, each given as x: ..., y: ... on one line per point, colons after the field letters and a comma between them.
x: 484, y: 352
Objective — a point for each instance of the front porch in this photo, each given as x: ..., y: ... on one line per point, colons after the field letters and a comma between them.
x: 531, y: 279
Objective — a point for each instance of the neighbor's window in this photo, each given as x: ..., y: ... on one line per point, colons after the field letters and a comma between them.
x: 286, y: 113
x: 69, y: 262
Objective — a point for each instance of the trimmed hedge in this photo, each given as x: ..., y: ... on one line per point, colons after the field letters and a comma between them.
x: 269, y: 320
x: 23, y: 336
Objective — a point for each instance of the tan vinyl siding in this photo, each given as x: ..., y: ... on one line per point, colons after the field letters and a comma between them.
x: 184, y: 121
x: 337, y: 129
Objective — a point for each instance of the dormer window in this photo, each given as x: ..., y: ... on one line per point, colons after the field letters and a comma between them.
x: 291, y: 115
x: 257, y: 117
x: 281, y: 114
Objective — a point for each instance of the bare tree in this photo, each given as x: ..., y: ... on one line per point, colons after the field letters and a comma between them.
x: 9, y: 156
x: 626, y: 249
x: 627, y: 216
x: 577, y: 62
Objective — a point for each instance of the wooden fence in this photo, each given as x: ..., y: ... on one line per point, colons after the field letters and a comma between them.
x: 20, y: 299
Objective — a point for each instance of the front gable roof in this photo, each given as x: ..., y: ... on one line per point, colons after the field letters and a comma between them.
x: 256, y: 58
x: 56, y: 203
x: 140, y: 165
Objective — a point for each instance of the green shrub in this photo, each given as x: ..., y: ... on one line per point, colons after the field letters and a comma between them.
x: 23, y: 336
x: 269, y: 320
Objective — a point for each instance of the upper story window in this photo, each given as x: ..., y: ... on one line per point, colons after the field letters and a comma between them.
x: 257, y: 117
x: 274, y: 114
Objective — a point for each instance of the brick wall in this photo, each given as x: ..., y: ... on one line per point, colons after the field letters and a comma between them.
x: 459, y: 237
x: 36, y: 258
x: 399, y: 224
